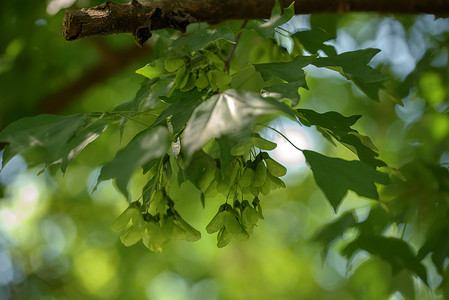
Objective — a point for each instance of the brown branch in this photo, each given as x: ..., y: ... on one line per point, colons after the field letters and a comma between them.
x: 113, y: 62
x: 140, y: 18
x: 231, y: 53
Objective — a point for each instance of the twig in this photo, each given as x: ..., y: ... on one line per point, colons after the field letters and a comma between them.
x: 231, y: 53
x: 280, y: 133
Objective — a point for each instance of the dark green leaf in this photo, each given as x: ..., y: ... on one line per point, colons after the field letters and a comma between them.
x: 353, y: 64
x: 180, y: 111
x: 438, y: 244
x: 335, y: 229
x: 395, y: 251
x: 336, y: 176
x: 355, y: 143
x: 339, y: 127
x: 289, y: 71
x: 313, y: 40
x: 286, y: 90
x: 333, y: 121
x: 81, y: 140
x: 203, y: 37
x: 147, y: 145
x: 50, y: 132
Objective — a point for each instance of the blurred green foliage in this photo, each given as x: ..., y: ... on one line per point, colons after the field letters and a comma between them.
x: 55, y: 237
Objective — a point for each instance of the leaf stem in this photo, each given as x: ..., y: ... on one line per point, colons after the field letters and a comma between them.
x: 281, y: 134
x: 231, y: 53
x: 131, y: 119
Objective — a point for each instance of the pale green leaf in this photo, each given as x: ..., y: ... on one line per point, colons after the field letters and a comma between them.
x: 230, y: 112
x: 153, y: 69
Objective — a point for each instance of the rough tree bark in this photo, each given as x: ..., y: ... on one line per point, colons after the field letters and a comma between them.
x: 140, y: 18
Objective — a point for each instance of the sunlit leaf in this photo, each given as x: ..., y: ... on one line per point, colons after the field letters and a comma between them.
x: 153, y: 69
x: 230, y: 112
x: 278, y: 17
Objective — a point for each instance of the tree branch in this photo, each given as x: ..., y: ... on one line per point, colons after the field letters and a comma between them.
x: 140, y: 18
x: 112, y: 63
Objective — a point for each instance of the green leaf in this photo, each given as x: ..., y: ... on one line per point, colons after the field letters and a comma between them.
x: 122, y: 221
x: 286, y: 90
x: 313, y: 40
x: 335, y: 229
x: 86, y: 136
x: 50, y: 132
x: 363, y: 147
x: 289, y: 71
x: 219, y: 80
x: 134, y: 233
x: 224, y: 237
x: 180, y: 111
x: 338, y: 126
x: 354, y: 64
x: 217, y: 221
x: 437, y: 243
x: 336, y: 176
x: 395, y: 251
x: 230, y: 112
x: 277, y: 19
x: 275, y: 168
x: 249, y: 218
x: 193, y: 235
x: 234, y: 227
x: 173, y: 64
x: 260, y: 174
x: 332, y: 121
x: 148, y: 144
x: 262, y: 143
x: 247, y: 177
x: 203, y: 37
x: 153, y: 69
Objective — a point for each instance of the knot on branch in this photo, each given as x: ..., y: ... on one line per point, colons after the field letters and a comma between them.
x: 179, y: 19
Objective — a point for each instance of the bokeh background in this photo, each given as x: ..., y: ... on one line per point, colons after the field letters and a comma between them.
x: 55, y: 237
